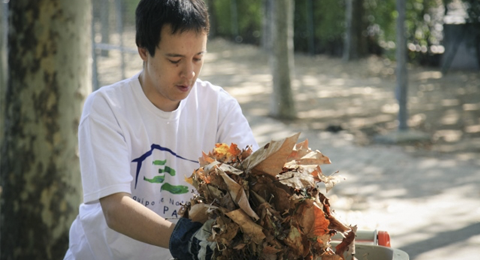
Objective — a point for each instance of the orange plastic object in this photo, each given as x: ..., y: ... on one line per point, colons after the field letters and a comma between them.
x: 383, y: 238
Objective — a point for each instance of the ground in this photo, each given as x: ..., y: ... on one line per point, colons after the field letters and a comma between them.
x: 358, y: 97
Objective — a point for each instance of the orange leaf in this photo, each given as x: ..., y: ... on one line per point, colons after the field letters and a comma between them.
x: 233, y: 150
x: 220, y: 150
x: 320, y: 227
x: 347, y: 241
x: 205, y: 159
x: 189, y: 180
x: 224, y: 153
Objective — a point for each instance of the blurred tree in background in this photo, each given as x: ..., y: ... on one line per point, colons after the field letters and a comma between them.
x: 48, y: 80
x: 355, y: 42
x: 281, y: 59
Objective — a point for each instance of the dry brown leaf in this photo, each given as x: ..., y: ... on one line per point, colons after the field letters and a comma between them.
x: 332, y: 257
x: 270, y: 250
x: 199, y: 213
x: 299, y: 150
x: 224, y: 230
x: 266, y: 188
x: 294, y: 241
x: 270, y: 158
x: 247, y: 225
x: 314, y: 157
x: 331, y: 181
x: 305, y: 216
x: 297, y: 179
x: 337, y: 225
x: 347, y: 241
x: 238, y: 195
x: 314, y: 170
x: 229, y: 169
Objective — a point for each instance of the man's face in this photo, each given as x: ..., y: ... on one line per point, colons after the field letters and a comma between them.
x: 168, y: 77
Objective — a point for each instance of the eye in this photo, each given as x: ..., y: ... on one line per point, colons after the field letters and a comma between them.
x: 174, y: 61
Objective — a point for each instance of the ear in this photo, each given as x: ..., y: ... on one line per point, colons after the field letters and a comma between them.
x: 143, y: 52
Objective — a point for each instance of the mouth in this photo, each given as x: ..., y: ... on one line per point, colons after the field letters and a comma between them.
x: 183, y: 87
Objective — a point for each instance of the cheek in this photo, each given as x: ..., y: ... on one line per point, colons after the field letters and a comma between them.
x: 158, y: 71
x: 198, y: 68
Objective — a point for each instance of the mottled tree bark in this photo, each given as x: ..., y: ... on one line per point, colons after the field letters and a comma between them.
x: 281, y: 60
x: 49, y: 77
x: 3, y: 67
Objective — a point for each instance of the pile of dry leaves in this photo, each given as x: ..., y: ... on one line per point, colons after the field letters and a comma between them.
x: 266, y: 204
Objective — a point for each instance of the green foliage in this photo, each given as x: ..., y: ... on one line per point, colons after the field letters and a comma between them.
x: 329, y: 15
x: 328, y: 25
x: 248, y: 23
x: 422, y: 20
x: 382, y: 14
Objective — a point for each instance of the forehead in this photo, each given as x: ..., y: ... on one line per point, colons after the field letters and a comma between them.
x: 183, y: 39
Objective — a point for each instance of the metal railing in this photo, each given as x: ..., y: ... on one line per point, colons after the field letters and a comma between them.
x: 107, y: 14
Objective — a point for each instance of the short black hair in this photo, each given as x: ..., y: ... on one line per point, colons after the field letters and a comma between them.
x: 181, y: 15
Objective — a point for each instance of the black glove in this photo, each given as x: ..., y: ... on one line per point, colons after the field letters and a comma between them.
x: 189, y: 240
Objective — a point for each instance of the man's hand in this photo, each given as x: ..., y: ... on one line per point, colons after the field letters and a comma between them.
x: 189, y: 240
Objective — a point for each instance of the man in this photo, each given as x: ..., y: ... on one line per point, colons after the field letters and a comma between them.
x: 139, y: 139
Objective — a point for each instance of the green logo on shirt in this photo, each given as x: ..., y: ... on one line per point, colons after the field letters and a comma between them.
x: 164, y: 169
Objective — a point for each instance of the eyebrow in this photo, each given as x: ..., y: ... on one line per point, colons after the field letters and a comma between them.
x: 173, y: 55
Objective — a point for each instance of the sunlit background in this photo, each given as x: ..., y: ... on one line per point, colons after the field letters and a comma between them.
x: 425, y: 194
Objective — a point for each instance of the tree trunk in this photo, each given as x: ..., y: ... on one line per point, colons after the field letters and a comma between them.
x: 267, y: 23
x: 49, y: 78
x: 355, y: 45
x: 281, y: 60
x: 401, y: 71
x: 3, y: 68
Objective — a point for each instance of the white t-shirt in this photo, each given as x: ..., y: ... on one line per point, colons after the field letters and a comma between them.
x: 127, y: 144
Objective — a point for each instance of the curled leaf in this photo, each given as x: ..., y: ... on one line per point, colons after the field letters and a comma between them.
x: 253, y: 230
x: 238, y: 195
x: 331, y: 181
x: 270, y: 158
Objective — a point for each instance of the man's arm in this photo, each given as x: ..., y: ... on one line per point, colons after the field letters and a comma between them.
x: 126, y: 216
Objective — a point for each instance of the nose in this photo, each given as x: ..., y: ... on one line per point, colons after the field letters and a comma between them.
x: 188, y: 70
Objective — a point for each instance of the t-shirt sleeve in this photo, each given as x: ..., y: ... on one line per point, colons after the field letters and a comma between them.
x: 104, y: 156
x: 233, y: 126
